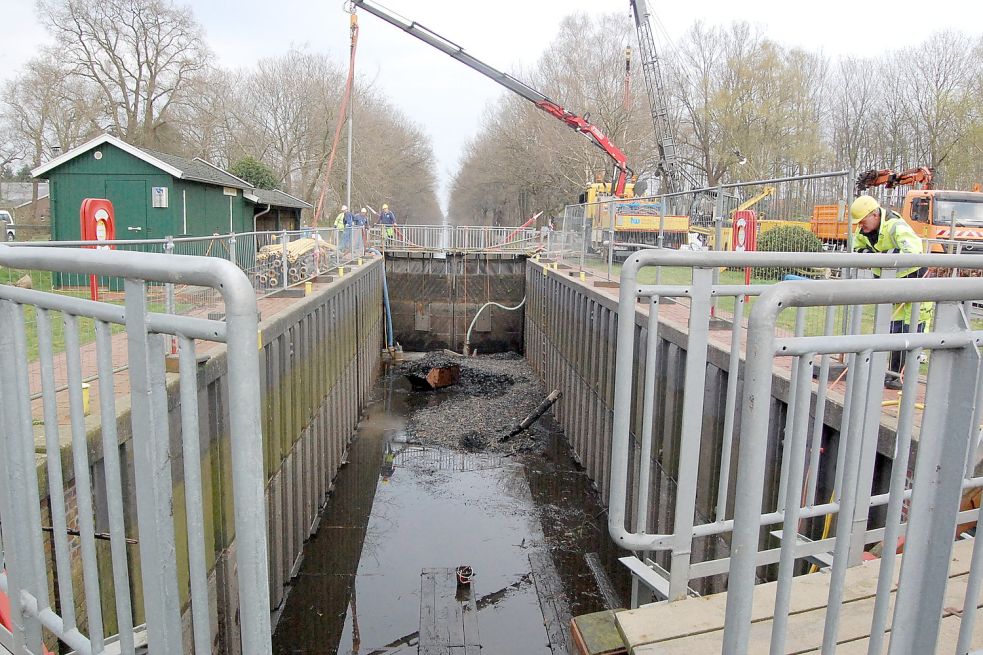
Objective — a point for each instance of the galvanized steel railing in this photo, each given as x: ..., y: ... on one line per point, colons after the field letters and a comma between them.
x: 459, y: 238
x: 947, y: 449
x: 150, y: 495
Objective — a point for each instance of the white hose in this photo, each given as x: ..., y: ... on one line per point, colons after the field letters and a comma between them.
x: 467, y: 338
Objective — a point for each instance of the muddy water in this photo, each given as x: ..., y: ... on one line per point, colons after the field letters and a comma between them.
x: 399, y: 507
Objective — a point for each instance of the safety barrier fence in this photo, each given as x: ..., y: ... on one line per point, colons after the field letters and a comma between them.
x: 278, y: 260
x: 803, y: 492
x: 272, y: 261
x: 808, y: 211
x: 458, y: 238
x: 120, y: 516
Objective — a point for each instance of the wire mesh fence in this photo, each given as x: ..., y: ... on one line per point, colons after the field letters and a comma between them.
x: 807, y: 214
x: 273, y: 262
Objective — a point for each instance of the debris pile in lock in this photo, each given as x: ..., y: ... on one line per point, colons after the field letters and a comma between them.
x: 494, y: 393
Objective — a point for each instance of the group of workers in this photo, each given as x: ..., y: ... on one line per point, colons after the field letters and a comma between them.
x: 350, y: 223
x: 882, y: 230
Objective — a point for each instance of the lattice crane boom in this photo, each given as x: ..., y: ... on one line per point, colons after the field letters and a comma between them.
x: 673, y: 175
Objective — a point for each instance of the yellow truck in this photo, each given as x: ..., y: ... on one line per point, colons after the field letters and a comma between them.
x: 635, y: 220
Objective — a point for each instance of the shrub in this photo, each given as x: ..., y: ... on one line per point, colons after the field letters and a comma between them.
x: 787, y: 238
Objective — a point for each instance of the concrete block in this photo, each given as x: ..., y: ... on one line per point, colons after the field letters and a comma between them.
x: 172, y: 362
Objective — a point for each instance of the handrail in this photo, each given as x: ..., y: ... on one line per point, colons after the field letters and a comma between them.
x: 631, y: 290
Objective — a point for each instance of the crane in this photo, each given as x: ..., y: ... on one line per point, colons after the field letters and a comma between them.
x: 665, y: 135
x: 578, y: 123
x: 889, y: 179
x: 754, y: 200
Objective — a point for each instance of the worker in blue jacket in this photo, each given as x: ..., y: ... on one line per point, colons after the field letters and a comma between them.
x: 884, y: 230
x: 387, y: 220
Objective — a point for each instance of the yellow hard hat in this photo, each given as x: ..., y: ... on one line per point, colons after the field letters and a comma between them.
x: 861, y: 207
x: 385, y: 206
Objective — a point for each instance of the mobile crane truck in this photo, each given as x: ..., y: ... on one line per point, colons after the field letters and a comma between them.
x: 634, y: 220
x: 936, y: 215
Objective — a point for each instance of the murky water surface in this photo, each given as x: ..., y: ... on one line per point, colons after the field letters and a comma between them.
x: 400, y: 507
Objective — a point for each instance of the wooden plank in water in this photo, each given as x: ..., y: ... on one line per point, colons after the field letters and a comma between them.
x: 428, y: 611
x: 556, y: 616
x: 448, y: 615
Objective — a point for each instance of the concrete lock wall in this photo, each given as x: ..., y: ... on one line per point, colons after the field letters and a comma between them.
x: 435, y: 297
x: 571, y: 332
x: 318, y: 361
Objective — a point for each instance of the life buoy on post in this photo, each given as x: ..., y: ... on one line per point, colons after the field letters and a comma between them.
x: 98, y: 223
x: 746, y: 236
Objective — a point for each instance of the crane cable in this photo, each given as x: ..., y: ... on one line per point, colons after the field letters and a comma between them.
x: 342, y: 112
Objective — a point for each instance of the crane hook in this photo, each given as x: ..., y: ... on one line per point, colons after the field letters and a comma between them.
x: 348, y: 6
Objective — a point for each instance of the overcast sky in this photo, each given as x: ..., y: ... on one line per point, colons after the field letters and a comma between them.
x: 446, y: 98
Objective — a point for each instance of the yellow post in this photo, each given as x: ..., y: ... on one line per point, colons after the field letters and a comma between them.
x: 85, y: 399
x: 341, y: 271
x: 308, y: 287
x: 583, y: 276
x: 359, y: 261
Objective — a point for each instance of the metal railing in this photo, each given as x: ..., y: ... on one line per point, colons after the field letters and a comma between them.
x: 136, y: 480
x: 458, y: 238
x: 826, y: 506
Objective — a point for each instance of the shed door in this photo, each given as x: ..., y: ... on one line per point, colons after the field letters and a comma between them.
x: 130, y: 200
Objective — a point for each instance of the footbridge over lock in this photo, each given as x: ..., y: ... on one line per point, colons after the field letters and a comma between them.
x: 728, y: 451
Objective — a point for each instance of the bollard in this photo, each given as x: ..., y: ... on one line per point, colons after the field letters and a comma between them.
x: 583, y: 276
x: 308, y: 287
x: 85, y: 398
x: 341, y: 271
x: 359, y: 261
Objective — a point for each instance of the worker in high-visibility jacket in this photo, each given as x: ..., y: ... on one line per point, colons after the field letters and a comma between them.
x: 884, y: 230
x: 343, y: 223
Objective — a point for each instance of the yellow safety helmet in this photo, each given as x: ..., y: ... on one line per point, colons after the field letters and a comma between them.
x: 385, y: 206
x: 861, y: 207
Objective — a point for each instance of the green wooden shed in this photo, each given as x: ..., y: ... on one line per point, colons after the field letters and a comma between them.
x: 154, y: 194
x: 277, y: 210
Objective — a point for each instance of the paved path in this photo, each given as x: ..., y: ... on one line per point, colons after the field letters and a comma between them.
x: 268, y: 307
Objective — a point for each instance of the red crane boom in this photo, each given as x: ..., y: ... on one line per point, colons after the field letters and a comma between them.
x: 578, y: 123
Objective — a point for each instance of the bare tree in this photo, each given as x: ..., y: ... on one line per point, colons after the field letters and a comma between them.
x: 45, y: 110
x: 524, y: 161
x: 140, y: 53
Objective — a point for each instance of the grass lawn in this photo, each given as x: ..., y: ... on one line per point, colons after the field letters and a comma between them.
x: 815, y: 319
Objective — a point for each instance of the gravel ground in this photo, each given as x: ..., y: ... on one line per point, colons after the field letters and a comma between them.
x: 495, y: 393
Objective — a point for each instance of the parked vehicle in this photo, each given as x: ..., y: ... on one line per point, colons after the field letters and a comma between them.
x: 931, y: 212
x: 8, y: 225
